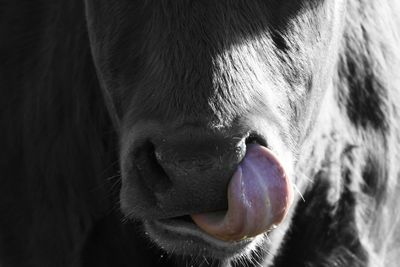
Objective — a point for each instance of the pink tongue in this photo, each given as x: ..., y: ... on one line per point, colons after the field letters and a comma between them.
x: 259, y: 196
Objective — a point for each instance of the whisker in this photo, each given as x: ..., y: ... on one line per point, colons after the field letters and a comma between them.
x: 308, y: 179
x: 298, y: 191
x: 113, y: 177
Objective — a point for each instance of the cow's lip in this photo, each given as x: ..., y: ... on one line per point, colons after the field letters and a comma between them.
x: 185, y: 237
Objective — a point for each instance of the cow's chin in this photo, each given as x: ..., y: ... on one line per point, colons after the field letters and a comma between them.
x: 183, y: 237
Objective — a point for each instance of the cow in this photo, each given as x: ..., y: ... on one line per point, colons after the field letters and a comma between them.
x: 199, y: 133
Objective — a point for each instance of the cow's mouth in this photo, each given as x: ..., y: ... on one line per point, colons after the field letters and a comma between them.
x: 259, y: 196
x: 182, y: 236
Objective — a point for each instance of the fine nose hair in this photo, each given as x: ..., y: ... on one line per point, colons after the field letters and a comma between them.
x: 189, y: 173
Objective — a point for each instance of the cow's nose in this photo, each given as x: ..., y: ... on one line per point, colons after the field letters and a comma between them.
x: 189, y: 174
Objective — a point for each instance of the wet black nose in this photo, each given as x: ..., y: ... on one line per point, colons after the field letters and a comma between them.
x: 188, y: 173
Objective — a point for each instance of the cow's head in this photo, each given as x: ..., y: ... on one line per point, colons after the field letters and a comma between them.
x: 212, y: 100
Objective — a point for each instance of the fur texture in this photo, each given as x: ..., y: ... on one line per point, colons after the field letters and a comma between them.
x: 70, y: 97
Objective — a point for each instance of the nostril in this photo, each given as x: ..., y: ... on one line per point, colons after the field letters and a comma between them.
x: 150, y: 171
x: 254, y: 138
